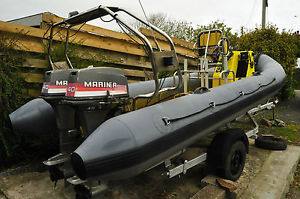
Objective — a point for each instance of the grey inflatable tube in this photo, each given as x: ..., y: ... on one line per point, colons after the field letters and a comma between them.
x: 34, y: 117
x: 129, y: 144
x: 37, y: 116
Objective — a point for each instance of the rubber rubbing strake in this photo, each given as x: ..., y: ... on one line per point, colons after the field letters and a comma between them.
x: 212, y: 104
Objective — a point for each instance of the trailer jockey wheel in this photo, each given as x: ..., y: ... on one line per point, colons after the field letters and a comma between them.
x: 234, y: 161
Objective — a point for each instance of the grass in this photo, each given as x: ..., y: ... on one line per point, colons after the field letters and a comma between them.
x: 291, y: 132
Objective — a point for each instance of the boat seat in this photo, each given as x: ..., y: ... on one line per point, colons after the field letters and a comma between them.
x: 211, y: 40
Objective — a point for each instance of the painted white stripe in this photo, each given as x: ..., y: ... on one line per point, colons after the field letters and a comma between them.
x: 96, y: 93
x: 117, y: 92
x: 89, y: 93
x: 57, y: 90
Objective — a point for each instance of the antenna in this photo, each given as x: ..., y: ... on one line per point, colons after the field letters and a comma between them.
x: 264, y: 6
x: 156, y: 43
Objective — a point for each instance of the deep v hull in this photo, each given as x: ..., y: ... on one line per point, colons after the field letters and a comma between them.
x: 131, y: 143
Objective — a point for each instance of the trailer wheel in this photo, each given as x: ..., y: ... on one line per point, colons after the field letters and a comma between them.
x: 234, y: 161
x: 227, y: 153
x: 271, y: 142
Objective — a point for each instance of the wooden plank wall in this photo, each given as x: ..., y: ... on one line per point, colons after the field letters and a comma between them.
x: 116, y: 48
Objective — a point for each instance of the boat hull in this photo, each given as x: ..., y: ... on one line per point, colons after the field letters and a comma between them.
x: 131, y: 143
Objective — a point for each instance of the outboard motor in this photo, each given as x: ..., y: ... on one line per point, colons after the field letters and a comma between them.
x: 56, y: 82
x: 37, y: 116
x: 53, y: 91
x: 82, y: 99
x: 97, y: 94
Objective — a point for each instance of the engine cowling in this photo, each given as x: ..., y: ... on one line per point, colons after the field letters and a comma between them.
x: 96, y: 83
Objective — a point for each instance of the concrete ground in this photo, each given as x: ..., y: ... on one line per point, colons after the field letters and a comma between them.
x: 275, y: 177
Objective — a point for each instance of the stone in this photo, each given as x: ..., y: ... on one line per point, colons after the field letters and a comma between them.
x: 279, y: 123
x: 226, y: 184
x: 267, y: 122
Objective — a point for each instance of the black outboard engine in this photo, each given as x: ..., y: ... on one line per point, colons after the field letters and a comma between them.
x: 56, y: 82
x: 82, y: 99
x: 53, y: 91
x: 97, y: 93
x: 37, y: 116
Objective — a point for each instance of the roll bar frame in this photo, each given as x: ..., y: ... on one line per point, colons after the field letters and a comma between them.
x: 102, y: 11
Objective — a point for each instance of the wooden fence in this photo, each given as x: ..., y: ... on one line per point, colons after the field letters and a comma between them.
x: 106, y: 46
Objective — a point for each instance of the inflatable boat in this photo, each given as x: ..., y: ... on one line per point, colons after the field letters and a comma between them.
x: 131, y: 143
x: 111, y: 130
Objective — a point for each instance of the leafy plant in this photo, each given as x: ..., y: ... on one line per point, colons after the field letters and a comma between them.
x: 77, y: 55
x: 11, y: 94
x: 175, y: 28
x: 281, y: 46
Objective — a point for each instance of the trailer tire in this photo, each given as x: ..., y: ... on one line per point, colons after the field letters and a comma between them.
x: 222, y: 148
x: 271, y: 142
x: 234, y: 161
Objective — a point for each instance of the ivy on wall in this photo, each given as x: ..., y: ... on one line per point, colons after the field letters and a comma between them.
x: 12, y: 95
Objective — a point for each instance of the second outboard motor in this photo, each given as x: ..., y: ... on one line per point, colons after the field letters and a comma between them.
x: 37, y: 116
x: 56, y: 82
x: 53, y: 91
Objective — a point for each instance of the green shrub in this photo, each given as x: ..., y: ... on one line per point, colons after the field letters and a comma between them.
x: 281, y: 46
x: 12, y: 96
